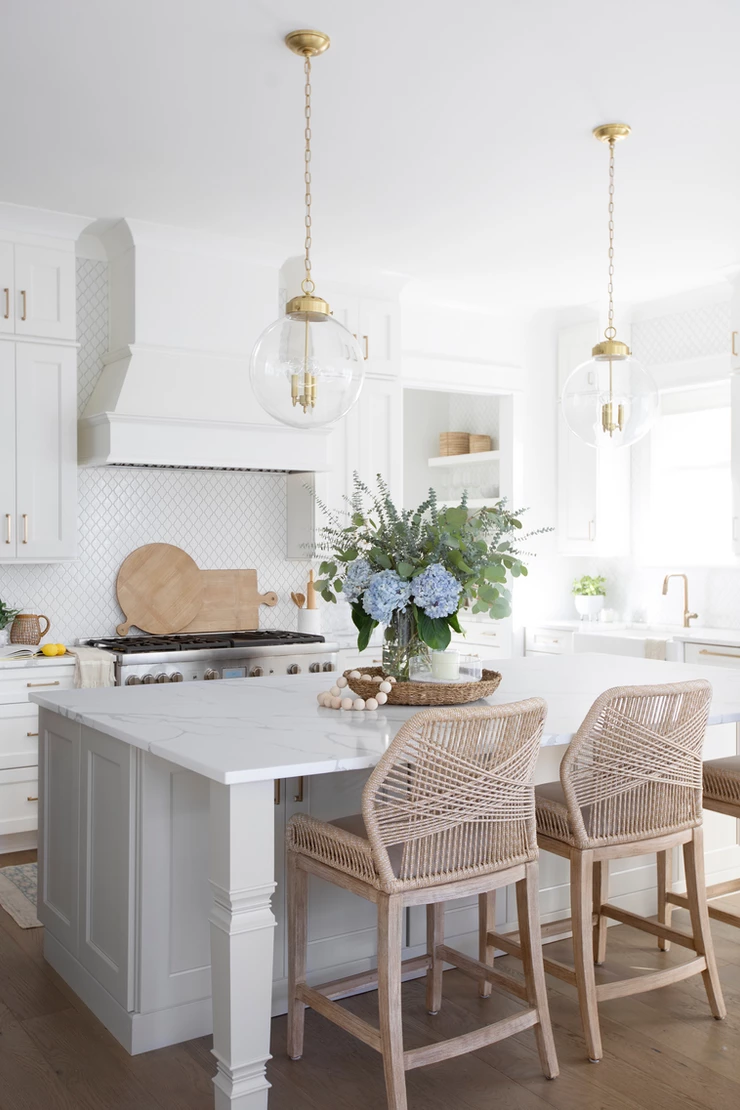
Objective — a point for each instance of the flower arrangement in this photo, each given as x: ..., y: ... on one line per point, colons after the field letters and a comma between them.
x: 412, y: 570
x: 7, y: 615
x: 588, y: 586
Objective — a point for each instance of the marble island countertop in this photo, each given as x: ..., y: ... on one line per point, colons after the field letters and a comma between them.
x: 246, y: 730
x: 36, y: 660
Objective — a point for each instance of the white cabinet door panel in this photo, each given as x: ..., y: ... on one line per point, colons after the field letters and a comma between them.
x: 7, y: 287
x: 7, y: 452
x: 58, y: 889
x: 375, y: 435
x: 735, y: 453
x: 19, y: 736
x: 44, y: 292
x: 379, y: 336
x: 46, y: 510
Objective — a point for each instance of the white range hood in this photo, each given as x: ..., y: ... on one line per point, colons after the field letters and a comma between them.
x: 185, y: 311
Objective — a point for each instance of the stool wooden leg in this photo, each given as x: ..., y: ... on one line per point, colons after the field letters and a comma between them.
x: 390, y: 940
x: 486, y: 925
x: 528, y: 912
x: 665, y: 883
x: 601, y: 896
x: 297, y: 946
x: 435, y: 936
x: 696, y: 890
x: 582, y: 900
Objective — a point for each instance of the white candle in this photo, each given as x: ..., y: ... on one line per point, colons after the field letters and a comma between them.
x: 446, y: 665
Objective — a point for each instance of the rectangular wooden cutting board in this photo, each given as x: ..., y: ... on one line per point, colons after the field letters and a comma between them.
x: 231, y: 602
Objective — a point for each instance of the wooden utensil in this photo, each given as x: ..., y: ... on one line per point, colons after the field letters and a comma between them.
x: 159, y: 589
x: 310, y: 592
x: 230, y: 602
x: 299, y: 599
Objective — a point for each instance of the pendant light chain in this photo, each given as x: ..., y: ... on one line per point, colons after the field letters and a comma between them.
x: 307, y: 285
x: 611, y: 331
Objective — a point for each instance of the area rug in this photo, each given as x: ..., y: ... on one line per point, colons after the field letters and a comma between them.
x: 18, y: 894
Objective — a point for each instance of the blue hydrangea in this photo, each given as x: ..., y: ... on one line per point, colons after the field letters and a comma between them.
x: 436, y: 591
x: 358, y: 577
x: 385, y: 593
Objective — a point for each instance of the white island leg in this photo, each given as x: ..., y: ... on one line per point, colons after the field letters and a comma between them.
x: 242, y: 874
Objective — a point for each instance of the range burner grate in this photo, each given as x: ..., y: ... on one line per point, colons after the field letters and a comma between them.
x: 206, y: 641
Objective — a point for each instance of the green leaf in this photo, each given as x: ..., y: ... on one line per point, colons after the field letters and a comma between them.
x: 364, y: 624
x: 347, y: 556
x: 454, y: 622
x: 405, y: 569
x: 458, y: 517
x: 380, y: 557
x: 358, y: 520
x: 494, y: 572
x: 328, y: 568
x: 338, y: 585
x: 434, y: 631
x: 488, y: 593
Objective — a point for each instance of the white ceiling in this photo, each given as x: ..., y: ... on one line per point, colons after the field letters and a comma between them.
x: 452, y: 141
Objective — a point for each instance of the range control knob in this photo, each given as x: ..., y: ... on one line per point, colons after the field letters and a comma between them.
x: 256, y: 672
x: 328, y: 667
x: 133, y: 680
x: 163, y: 677
x: 176, y: 677
x: 315, y: 668
x: 148, y: 679
x: 294, y: 669
x: 211, y: 674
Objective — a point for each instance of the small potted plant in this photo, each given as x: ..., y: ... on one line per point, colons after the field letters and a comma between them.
x: 7, y: 616
x: 589, y: 593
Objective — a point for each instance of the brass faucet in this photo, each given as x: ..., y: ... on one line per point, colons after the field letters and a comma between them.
x: 687, y: 616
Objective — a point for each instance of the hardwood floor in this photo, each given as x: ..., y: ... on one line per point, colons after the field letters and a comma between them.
x: 662, y: 1051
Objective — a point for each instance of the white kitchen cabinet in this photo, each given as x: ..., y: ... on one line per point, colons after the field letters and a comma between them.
x: 593, y: 485
x: 735, y: 454
x: 7, y: 288
x: 547, y: 641
x: 734, y: 343
x: 376, y: 323
x: 44, y: 292
x: 38, y: 452
x: 375, y: 436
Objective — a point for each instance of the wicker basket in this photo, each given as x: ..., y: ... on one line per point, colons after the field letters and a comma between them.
x: 480, y: 443
x: 454, y: 443
x: 426, y: 693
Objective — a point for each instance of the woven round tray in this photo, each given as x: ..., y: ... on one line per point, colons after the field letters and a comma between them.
x: 426, y: 693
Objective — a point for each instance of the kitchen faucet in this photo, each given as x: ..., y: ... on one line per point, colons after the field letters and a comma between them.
x: 687, y: 616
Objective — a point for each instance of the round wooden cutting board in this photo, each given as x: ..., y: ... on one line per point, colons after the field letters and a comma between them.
x: 159, y: 588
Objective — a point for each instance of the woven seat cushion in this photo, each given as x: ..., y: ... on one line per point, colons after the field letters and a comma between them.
x: 722, y: 780
x: 342, y: 844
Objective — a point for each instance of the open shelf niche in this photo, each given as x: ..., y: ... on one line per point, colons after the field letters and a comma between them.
x: 427, y: 413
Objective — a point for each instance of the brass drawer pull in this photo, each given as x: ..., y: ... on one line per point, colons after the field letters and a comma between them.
x: 6, y: 291
x: 9, y: 527
x: 367, y: 347
x: 23, y: 298
x: 734, y: 352
x: 299, y: 796
x: 55, y: 683
x: 32, y: 798
x: 25, y: 527
x: 32, y: 734
x: 277, y: 792
x: 723, y: 654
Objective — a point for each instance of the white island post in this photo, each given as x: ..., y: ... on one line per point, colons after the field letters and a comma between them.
x: 106, y: 833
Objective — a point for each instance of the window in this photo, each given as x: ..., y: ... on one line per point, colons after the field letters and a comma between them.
x: 690, y: 517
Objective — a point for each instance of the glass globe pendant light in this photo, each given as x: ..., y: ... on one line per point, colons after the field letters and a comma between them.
x: 611, y: 400
x: 307, y: 368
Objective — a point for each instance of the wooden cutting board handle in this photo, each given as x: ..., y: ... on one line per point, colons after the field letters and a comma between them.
x: 268, y: 599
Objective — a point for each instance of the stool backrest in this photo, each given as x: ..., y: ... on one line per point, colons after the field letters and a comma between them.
x: 453, y: 795
x: 634, y: 768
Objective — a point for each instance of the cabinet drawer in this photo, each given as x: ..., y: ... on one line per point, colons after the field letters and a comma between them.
x: 712, y: 655
x: 19, y: 790
x: 16, y: 686
x: 550, y: 640
x: 19, y: 737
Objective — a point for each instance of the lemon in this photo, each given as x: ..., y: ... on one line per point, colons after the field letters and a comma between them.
x: 61, y: 649
x: 49, y: 649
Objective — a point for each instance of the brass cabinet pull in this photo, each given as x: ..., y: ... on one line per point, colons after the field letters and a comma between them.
x: 55, y: 683
x: 367, y: 347
x: 23, y: 298
x: 299, y: 796
x: 723, y: 654
x: 735, y: 353
x: 8, y: 527
x: 32, y: 798
x: 32, y: 734
x: 277, y: 792
x: 6, y: 291
x: 25, y: 527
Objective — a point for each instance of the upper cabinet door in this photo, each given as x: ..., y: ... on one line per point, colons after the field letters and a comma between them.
x: 8, y: 532
x: 7, y: 296
x: 46, y: 423
x: 44, y: 292
x: 380, y: 337
x: 735, y: 325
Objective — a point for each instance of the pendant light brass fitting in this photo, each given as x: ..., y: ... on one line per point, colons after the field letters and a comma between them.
x: 610, y: 349
x: 307, y: 43
x: 611, y: 132
x: 315, y: 308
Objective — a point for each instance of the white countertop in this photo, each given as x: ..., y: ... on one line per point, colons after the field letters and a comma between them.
x: 725, y: 637
x: 246, y: 730
x: 37, y: 661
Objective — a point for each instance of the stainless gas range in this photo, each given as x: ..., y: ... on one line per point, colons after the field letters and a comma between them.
x: 212, y: 655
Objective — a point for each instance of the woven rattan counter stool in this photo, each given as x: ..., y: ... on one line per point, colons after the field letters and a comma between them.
x: 446, y: 813
x: 630, y: 785
x: 721, y: 794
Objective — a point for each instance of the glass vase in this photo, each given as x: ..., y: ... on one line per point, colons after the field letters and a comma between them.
x: 402, y: 647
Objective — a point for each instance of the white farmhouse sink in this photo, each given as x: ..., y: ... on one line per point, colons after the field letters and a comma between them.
x: 655, y: 642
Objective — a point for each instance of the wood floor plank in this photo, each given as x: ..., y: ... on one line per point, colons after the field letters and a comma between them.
x: 24, y: 987
x: 26, y: 1078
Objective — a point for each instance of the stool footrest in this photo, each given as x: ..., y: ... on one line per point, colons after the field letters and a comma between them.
x: 727, y: 917
x: 346, y: 1020
x: 469, y: 1042
x: 650, y: 981
x: 475, y: 969
x: 648, y: 925
x: 353, y: 984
